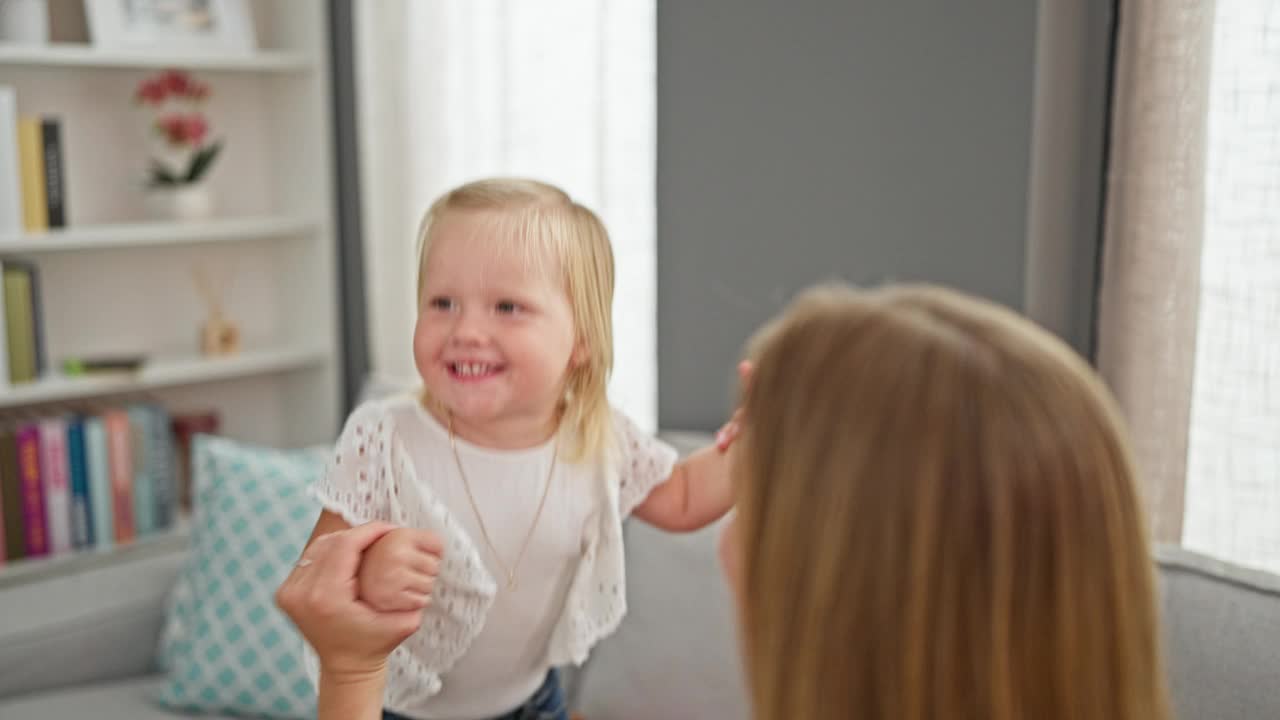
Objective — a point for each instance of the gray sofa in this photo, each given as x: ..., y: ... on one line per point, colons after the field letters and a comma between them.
x: 83, y: 645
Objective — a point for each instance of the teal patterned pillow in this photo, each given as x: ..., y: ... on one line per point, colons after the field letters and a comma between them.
x: 225, y: 645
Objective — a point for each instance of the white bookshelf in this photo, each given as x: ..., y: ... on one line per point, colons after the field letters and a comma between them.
x: 161, y: 373
x: 156, y: 234
x: 115, y: 282
x: 77, y: 56
x: 29, y: 570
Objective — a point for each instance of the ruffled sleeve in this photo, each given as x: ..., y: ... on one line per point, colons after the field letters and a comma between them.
x: 357, y: 481
x: 644, y: 462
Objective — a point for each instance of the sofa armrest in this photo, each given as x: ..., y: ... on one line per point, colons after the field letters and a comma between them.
x: 685, y: 441
x: 1220, y: 622
x: 92, y: 625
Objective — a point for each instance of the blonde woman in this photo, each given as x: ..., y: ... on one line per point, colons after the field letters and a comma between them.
x: 937, y: 518
x: 509, y: 474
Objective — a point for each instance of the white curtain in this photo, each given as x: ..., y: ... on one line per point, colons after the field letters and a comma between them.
x: 560, y: 90
x: 1154, y: 218
x: 1190, y: 307
x: 1233, y: 474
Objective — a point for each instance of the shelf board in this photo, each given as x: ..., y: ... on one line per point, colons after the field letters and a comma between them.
x: 82, y: 56
x: 161, y: 373
x: 152, y: 234
x: 30, y: 570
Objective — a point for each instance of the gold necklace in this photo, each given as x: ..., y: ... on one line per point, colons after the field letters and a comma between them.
x: 466, y: 484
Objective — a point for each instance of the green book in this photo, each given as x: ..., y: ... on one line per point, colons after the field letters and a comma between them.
x: 19, y: 324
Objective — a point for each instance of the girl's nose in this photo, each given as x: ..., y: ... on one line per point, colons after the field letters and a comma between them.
x: 469, y: 330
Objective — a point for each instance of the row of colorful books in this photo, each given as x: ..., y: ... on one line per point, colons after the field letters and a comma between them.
x: 75, y: 480
x: 32, y: 188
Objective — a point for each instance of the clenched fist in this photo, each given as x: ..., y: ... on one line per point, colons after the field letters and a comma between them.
x: 398, y: 572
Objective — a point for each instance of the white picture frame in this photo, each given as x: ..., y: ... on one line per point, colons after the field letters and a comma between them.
x: 207, y: 26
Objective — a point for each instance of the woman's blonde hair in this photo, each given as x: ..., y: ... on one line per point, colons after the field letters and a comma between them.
x: 549, y: 230
x: 938, y: 519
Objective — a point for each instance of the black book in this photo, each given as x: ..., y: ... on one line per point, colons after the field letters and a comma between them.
x: 55, y: 188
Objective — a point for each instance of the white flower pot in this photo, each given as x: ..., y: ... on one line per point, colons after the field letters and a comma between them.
x: 181, y: 202
x: 25, y: 22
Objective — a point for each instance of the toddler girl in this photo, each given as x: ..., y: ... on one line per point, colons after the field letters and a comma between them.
x: 509, y: 474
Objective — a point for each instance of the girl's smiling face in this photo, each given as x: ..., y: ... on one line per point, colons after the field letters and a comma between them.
x: 495, y: 334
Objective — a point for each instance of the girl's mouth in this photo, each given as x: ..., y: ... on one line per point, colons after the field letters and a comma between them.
x: 471, y: 371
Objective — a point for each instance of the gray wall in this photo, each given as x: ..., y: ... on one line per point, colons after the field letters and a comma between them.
x: 799, y: 142
x: 1075, y: 53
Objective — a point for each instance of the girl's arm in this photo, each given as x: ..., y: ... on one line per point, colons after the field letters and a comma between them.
x: 699, y: 491
x: 350, y: 698
x: 697, y: 494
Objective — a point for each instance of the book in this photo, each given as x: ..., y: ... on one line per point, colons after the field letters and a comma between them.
x: 55, y: 196
x: 98, y: 475
x: 103, y: 365
x: 4, y: 336
x: 144, y: 493
x: 11, y: 502
x: 120, y: 470
x: 37, y: 315
x: 185, y: 427
x: 160, y: 463
x: 56, y: 480
x: 81, y: 509
x: 11, y: 207
x: 35, y: 216
x: 19, y: 322
x: 33, y: 513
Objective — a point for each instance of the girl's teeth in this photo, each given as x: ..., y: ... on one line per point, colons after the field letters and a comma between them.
x: 472, y: 369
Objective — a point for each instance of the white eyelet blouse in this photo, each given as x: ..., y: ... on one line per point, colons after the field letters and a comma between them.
x: 371, y: 477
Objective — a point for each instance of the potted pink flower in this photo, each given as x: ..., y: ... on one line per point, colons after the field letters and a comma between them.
x: 184, y: 152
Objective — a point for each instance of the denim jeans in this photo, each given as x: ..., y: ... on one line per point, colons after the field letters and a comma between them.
x: 547, y: 703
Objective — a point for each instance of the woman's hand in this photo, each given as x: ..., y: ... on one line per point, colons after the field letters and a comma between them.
x: 321, y: 597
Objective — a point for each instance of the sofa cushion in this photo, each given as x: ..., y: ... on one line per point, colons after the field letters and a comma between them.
x: 675, y: 655
x: 1221, y: 623
x: 226, y: 646
x: 129, y: 699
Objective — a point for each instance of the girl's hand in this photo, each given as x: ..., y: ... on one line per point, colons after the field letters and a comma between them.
x: 399, y: 571
x: 729, y: 431
x: 352, y: 639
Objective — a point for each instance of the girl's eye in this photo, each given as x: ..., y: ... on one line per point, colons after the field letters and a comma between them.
x: 507, y: 307
x: 440, y: 303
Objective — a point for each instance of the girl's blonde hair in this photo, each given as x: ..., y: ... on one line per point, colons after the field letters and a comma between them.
x: 551, y: 231
x: 938, y: 519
